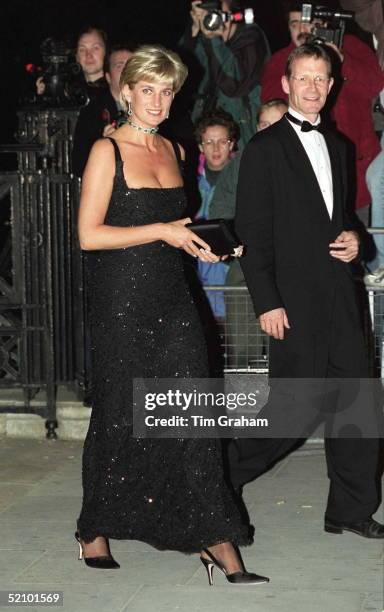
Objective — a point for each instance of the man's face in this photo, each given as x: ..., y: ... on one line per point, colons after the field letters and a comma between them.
x: 298, y: 30
x: 308, y: 86
x: 270, y: 115
x: 117, y: 61
x: 90, y: 55
x: 216, y: 147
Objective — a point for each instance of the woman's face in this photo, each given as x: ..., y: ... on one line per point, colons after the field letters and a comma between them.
x: 150, y: 102
x: 216, y: 146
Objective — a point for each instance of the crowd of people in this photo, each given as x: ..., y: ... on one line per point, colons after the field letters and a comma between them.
x: 236, y: 74
x: 285, y: 175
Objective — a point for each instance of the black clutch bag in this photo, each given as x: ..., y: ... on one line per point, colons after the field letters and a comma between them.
x: 220, y: 236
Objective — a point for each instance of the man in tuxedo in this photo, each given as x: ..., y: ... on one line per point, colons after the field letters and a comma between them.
x: 291, y: 218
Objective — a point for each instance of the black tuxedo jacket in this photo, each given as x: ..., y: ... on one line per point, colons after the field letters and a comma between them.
x: 282, y: 220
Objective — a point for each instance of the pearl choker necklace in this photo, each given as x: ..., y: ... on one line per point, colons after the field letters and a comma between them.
x: 142, y: 129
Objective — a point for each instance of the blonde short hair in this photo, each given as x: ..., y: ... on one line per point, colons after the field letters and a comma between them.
x: 154, y: 63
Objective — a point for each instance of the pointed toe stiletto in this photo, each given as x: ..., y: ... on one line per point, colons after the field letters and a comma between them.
x: 240, y: 577
x: 101, y: 562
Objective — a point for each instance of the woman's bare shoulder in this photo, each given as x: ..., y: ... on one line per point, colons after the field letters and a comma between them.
x: 103, y: 146
x: 101, y: 159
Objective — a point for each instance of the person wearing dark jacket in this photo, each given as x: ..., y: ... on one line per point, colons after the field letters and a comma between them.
x: 231, y: 59
x: 98, y: 118
x: 362, y: 81
x: 299, y: 241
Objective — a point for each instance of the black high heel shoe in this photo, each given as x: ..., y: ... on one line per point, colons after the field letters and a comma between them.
x: 240, y: 577
x: 101, y: 562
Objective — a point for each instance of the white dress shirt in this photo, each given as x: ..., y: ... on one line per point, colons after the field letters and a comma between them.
x: 317, y: 151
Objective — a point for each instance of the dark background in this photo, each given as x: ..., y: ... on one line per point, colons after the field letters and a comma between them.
x: 25, y: 24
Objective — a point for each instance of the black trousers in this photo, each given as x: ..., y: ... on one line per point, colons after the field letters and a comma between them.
x: 352, y: 460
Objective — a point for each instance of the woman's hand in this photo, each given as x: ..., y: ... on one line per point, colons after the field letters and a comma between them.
x: 179, y: 236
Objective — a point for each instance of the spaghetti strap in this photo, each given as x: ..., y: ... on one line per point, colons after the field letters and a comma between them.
x: 176, y: 149
x: 117, y: 150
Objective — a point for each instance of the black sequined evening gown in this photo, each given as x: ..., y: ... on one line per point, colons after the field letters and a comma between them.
x: 169, y: 493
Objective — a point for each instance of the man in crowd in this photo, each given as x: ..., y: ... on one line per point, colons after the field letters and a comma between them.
x: 231, y: 59
x: 362, y: 81
x: 291, y: 218
x: 99, y: 117
x: 91, y: 48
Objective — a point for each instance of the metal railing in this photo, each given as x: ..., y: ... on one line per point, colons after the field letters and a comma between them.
x: 40, y: 304
x: 245, y: 347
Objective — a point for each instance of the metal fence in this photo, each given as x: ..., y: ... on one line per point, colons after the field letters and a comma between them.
x: 244, y: 346
x: 40, y: 266
x: 376, y: 319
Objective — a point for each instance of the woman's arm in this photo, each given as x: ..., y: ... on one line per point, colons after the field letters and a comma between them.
x: 95, y: 196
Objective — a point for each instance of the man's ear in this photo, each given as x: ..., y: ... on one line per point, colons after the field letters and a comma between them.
x: 201, y: 148
x: 285, y: 84
x: 330, y: 84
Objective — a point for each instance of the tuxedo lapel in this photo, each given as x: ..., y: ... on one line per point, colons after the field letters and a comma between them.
x: 306, y: 177
x: 336, y: 175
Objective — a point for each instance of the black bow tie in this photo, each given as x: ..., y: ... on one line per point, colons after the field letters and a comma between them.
x: 305, y: 125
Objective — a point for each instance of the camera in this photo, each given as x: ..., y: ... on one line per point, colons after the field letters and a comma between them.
x: 62, y: 75
x: 333, y: 31
x: 216, y: 17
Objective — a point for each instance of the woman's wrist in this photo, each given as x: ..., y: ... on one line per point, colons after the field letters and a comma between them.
x: 162, y: 230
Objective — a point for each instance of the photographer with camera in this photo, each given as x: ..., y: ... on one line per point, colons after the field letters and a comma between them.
x: 231, y: 51
x: 361, y: 82
x: 104, y: 112
x: 91, y: 48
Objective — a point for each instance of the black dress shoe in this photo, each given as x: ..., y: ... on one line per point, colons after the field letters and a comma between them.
x: 241, y: 577
x: 101, y: 562
x: 368, y: 528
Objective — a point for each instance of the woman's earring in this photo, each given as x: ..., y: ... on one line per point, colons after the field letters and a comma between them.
x: 129, y: 111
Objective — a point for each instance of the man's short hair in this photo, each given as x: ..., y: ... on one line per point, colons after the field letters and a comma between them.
x: 290, y: 6
x: 124, y: 46
x: 308, y: 50
x: 271, y: 104
x: 91, y: 28
x: 218, y: 116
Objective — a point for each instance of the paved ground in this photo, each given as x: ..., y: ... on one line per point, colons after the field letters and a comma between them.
x: 310, y: 571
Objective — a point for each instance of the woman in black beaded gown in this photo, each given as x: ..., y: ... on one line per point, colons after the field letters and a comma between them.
x: 169, y: 493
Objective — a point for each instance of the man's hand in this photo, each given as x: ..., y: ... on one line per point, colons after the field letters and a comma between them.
x: 336, y: 50
x: 273, y: 323
x: 109, y: 129
x: 197, y: 16
x: 345, y: 247
x: 40, y: 86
